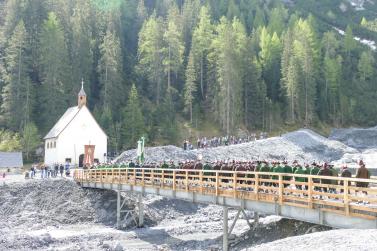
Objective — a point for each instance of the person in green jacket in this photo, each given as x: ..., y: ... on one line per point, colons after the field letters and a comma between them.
x: 208, y: 166
x: 334, y: 173
x: 266, y: 169
x: 164, y: 165
x: 300, y: 170
x: 288, y: 170
x: 314, y: 171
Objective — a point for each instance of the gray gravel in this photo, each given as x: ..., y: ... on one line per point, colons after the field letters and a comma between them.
x: 356, y: 137
x: 302, y: 145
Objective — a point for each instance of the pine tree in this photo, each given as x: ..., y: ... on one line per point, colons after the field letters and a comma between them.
x: 110, y: 71
x: 81, y: 51
x: 150, y: 56
x: 173, y: 51
x: 56, y: 93
x: 366, y: 66
x: 190, y: 85
x: 270, y: 58
x: 30, y: 139
x: 349, y: 41
x: 201, y: 39
x: 228, y: 48
x: 18, y: 90
x: 133, y: 120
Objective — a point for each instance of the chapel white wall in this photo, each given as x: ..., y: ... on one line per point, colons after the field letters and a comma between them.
x: 83, y: 130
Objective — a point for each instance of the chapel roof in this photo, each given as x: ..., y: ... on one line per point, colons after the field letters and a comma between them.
x: 63, y: 122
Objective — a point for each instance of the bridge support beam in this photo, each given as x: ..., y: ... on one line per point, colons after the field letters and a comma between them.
x: 140, y: 207
x: 225, y: 229
x: 118, y: 209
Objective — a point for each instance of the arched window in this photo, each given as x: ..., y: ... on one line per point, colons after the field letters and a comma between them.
x: 48, y: 145
x: 54, y: 144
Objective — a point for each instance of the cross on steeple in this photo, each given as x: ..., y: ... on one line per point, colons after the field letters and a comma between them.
x: 82, y: 95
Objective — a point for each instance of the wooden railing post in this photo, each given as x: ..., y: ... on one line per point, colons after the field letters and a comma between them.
x: 119, y: 177
x: 152, y: 176
x: 134, y: 174
x: 234, y: 184
x: 187, y: 181
x: 126, y: 176
x: 310, y: 192
x: 142, y: 177
x: 217, y: 183
x: 162, y: 178
x: 345, y: 198
x: 256, y: 186
x: 101, y: 177
x: 201, y: 181
x: 281, y: 187
x: 174, y: 179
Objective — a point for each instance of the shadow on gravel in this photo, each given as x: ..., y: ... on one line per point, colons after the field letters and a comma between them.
x: 275, y: 231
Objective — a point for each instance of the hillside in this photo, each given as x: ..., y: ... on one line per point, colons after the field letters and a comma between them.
x: 171, y: 69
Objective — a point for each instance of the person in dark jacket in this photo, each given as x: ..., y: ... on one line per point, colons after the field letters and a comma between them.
x: 345, y: 173
x: 362, y: 173
x: 61, y: 169
x: 325, y: 171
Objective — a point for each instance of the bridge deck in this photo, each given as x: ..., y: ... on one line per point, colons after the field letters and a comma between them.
x: 332, y: 201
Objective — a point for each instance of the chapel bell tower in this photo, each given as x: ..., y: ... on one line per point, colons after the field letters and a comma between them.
x: 81, y: 96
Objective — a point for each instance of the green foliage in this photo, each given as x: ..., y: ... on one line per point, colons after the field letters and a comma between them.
x: 256, y: 64
x: 55, y: 72
x: 133, y: 120
x: 190, y: 85
x: 18, y: 90
x: 9, y: 141
x: 30, y: 139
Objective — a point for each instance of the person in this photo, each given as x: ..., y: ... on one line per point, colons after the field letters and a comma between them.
x: 287, y: 169
x: 32, y: 171
x: 334, y: 173
x: 185, y: 145
x: 301, y: 171
x: 325, y: 171
x: 61, y: 169
x: 314, y: 171
x: 56, y: 170
x: 362, y: 173
x: 67, y: 169
x: 345, y: 173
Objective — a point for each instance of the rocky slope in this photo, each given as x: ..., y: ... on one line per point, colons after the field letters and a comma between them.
x: 303, y: 145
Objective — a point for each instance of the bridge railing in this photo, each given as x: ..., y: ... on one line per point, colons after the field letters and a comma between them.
x: 347, y: 196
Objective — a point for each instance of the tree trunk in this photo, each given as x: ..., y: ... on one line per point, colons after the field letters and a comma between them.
x: 191, y: 113
x: 201, y: 75
x: 169, y: 69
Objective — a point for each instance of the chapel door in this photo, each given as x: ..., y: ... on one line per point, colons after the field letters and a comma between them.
x: 89, y: 155
x: 81, y: 160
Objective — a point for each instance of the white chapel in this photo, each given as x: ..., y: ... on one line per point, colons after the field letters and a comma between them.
x: 76, y: 138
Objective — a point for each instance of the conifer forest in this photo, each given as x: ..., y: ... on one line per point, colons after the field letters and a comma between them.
x: 166, y: 68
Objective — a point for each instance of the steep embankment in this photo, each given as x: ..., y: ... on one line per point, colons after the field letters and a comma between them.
x: 303, y: 145
x: 345, y: 239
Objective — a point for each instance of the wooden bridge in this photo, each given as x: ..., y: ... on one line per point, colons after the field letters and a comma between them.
x: 332, y: 201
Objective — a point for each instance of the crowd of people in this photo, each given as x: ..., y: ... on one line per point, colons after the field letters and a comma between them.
x: 205, y: 142
x: 47, y: 171
x: 266, y: 167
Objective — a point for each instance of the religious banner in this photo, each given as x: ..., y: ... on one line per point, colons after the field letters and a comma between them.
x: 89, y: 155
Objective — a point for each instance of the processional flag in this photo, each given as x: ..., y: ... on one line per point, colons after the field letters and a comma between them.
x: 140, y: 150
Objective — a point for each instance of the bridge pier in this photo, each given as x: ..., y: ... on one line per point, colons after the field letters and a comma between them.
x: 130, y: 215
x: 140, y: 207
x: 225, y: 229
x: 118, y: 209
